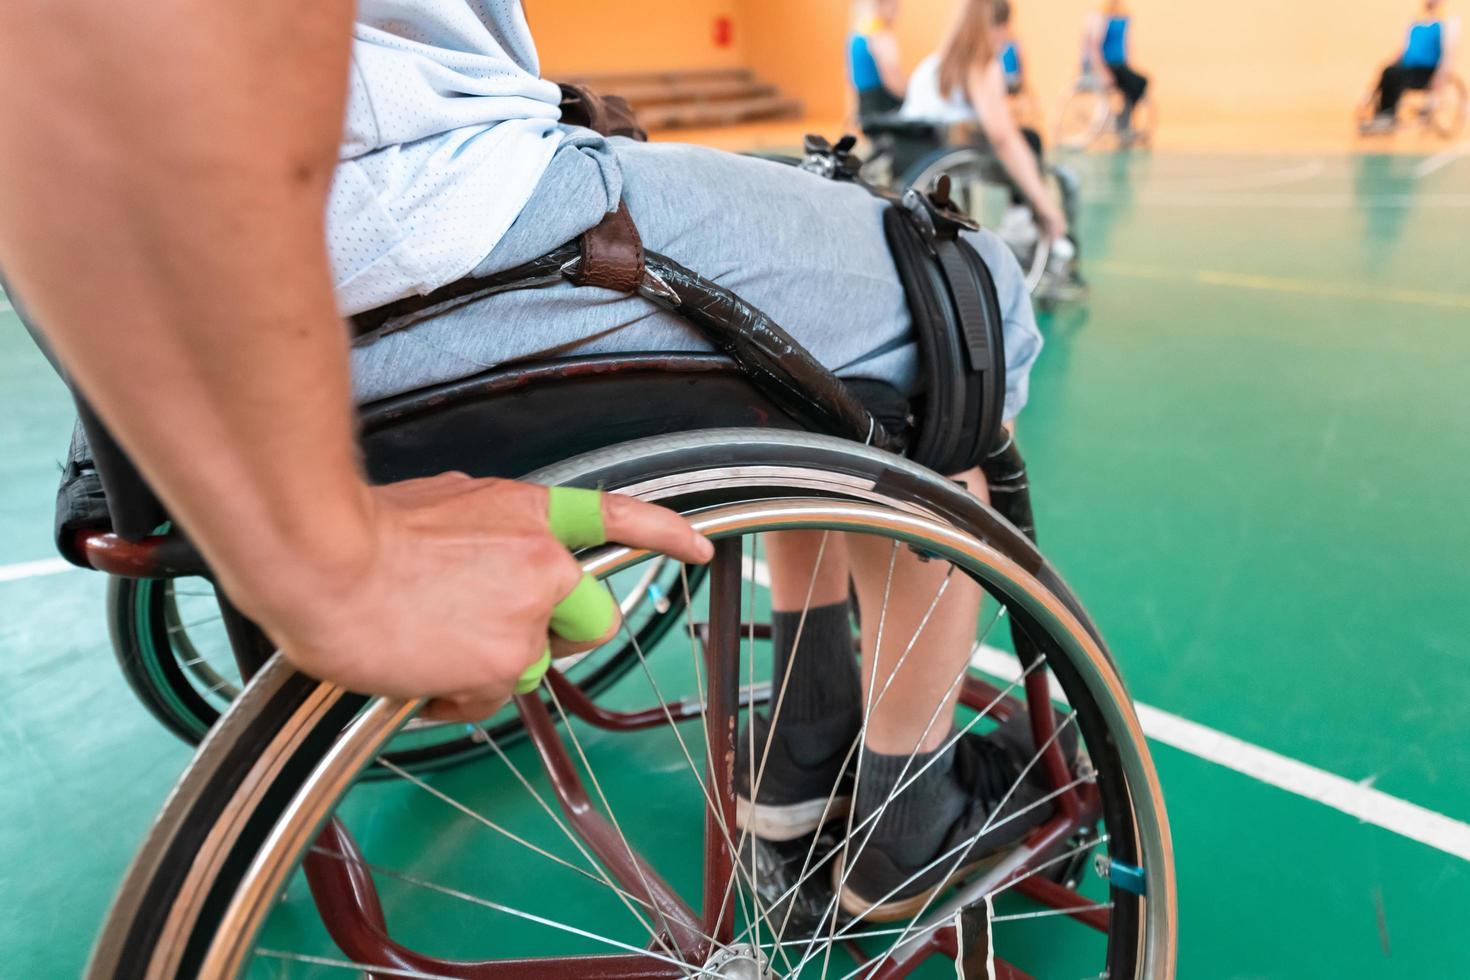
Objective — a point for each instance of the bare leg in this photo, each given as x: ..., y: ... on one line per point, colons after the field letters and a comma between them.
x: 943, y: 645
x: 791, y: 556
x: 897, y: 723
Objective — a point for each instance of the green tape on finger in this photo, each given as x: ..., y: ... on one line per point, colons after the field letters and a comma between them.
x: 575, y: 517
x: 531, y: 679
x: 586, y: 614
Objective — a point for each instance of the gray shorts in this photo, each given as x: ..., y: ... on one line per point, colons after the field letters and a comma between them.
x: 809, y: 252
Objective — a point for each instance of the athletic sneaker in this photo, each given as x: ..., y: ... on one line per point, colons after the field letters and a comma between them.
x: 794, y: 786
x: 882, y: 890
x: 1061, y: 281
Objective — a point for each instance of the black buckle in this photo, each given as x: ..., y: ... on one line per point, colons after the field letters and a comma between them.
x: 832, y: 162
x: 936, y: 213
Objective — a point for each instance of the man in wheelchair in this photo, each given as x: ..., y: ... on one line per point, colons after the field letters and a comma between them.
x: 1423, y: 66
x: 190, y: 236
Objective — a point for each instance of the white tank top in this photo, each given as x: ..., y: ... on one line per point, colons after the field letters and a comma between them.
x: 923, y: 100
x: 449, y: 127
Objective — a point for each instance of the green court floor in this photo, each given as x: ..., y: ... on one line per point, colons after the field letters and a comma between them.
x: 1249, y: 450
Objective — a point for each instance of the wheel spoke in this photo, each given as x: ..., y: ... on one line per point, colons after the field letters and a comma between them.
x: 510, y: 835
x: 902, y: 783
x: 1047, y: 913
x: 483, y: 735
x: 465, y: 896
x: 806, y: 863
x: 607, y: 807
x: 760, y: 770
x: 185, y: 627
x: 964, y: 846
x: 340, y: 964
x: 846, y: 934
x: 847, y: 864
x: 862, y: 736
x: 678, y: 736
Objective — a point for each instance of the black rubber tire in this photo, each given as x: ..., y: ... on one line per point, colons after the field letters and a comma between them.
x: 140, y: 643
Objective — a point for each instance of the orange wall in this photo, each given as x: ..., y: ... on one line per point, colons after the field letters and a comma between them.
x: 576, y: 36
x: 1212, y: 61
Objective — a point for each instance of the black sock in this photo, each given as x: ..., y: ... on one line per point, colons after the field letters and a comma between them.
x: 914, y: 824
x: 824, y: 692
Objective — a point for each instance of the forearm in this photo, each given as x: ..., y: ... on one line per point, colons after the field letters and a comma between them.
x: 163, y: 173
x: 890, y: 67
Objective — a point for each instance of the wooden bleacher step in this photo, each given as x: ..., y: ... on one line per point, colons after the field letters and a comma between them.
x: 698, y: 98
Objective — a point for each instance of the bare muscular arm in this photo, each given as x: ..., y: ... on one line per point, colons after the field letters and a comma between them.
x: 163, y: 172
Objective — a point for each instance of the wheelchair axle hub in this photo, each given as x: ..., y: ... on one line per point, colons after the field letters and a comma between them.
x: 739, y: 962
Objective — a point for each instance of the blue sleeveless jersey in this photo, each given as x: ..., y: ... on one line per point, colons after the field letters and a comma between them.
x: 861, y: 67
x: 1426, y: 45
x: 1010, y: 63
x: 1115, y: 42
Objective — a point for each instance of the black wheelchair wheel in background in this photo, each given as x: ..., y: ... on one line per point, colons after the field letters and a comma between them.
x: 169, y: 638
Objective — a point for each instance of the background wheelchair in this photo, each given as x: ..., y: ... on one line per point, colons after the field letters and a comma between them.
x: 1089, y: 114
x: 273, y: 853
x: 1440, y: 110
x: 913, y: 153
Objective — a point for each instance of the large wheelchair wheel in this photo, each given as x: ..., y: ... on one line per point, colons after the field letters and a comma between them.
x: 171, y: 641
x: 582, y: 872
x: 1092, y: 112
x: 1083, y: 117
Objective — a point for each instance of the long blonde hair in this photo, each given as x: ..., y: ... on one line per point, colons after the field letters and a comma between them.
x: 968, y: 45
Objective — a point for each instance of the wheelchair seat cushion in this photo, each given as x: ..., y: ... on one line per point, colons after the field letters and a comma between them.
x: 512, y: 420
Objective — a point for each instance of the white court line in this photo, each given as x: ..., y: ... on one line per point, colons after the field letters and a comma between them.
x: 35, y: 569
x: 1367, y: 804
x: 1287, y: 202
x: 1355, y: 799
x: 1279, y: 177
x: 1441, y: 160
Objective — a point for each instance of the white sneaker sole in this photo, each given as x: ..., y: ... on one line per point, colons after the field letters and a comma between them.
x: 783, y: 823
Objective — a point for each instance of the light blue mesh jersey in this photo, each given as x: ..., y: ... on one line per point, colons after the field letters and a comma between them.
x: 449, y: 128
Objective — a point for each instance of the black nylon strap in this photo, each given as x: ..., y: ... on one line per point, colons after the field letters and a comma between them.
x: 968, y: 305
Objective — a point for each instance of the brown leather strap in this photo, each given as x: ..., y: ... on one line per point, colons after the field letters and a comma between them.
x: 609, y: 115
x: 612, y: 254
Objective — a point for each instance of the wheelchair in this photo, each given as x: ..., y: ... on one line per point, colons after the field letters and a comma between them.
x: 1440, y: 110
x: 1091, y: 111
x: 274, y: 852
x: 913, y: 153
